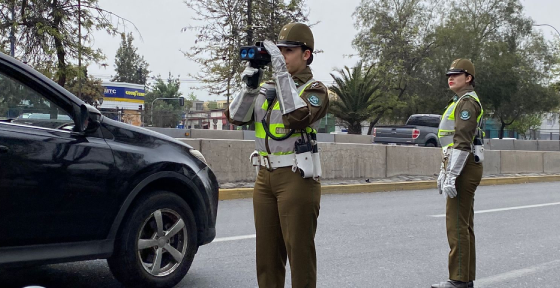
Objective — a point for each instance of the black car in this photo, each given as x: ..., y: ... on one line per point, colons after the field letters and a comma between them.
x: 80, y: 186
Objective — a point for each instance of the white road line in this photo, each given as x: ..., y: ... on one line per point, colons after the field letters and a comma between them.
x: 224, y: 239
x: 505, y: 209
x: 492, y: 280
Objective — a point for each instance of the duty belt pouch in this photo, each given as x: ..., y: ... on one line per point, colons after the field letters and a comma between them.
x: 317, y: 172
x: 478, y: 148
x: 255, y: 161
x: 304, y: 158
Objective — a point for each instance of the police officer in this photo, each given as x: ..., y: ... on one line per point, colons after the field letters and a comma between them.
x: 286, y: 113
x: 460, y: 173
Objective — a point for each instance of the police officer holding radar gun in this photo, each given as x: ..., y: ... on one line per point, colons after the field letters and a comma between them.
x: 460, y: 136
x: 286, y: 112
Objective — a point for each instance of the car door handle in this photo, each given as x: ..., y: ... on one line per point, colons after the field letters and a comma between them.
x: 4, y: 149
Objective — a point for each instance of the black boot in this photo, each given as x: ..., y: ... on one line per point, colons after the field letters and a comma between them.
x: 452, y: 284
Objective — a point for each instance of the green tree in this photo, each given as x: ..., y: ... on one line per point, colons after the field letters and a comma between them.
x: 47, y: 31
x: 513, y: 62
x: 189, y: 101
x: 396, y: 36
x: 129, y: 65
x: 91, y: 88
x: 228, y: 24
x: 514, y: 65
x: 527, y: 125
x: 164, y: 113
x: 357, y: 93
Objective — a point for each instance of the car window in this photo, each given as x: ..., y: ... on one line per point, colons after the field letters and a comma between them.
x: 434, y: 121
x: 22, y: 105
x: 424, y: 120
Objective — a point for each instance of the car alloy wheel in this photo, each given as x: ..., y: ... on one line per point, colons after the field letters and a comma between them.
x: 162, y: 242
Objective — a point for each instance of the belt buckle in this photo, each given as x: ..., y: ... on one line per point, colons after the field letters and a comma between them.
x: 266, y: 163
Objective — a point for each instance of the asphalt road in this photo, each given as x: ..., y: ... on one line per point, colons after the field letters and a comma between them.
x: 393, y: 239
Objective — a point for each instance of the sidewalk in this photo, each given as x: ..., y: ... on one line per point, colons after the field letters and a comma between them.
x: 241, y: 190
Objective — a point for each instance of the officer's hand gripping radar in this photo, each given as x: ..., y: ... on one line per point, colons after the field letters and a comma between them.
x: 258, y: 58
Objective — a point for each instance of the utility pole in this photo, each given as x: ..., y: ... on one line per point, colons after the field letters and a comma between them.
x: 13, y: 32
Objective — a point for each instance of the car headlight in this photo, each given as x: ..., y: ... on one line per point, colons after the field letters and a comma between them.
x: 198, y: 155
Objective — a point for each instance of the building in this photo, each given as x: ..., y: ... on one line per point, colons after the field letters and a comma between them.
x: 123, y: 102
x: 197, y: 117
x: 218, y: 119
x: 550, y: 127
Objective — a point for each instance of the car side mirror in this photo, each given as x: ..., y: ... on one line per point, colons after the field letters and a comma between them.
x: 81, y: 116
x: 92, y: 126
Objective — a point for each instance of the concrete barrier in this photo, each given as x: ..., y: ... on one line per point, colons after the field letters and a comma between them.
x: 492, y: 162
x: 195, y: 143
x: 217, y: 134
x: 487, y: 144
x: 490, y: 144
x: 526, y: 145
x: 551, y: 162
x: 172, y: 132
x: 321, y: 137
x: 521, y: 162
x: 249, y: 135
x: 229, y: 159
x: 341, y: 161
x: 353, y: 139
x: 421, y: 161
x: 548, y: 145
x: 324, y: 137
x: 502, y: 144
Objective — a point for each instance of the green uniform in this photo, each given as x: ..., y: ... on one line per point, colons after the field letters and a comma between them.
x: 286, y: 205
x: 460, y: 210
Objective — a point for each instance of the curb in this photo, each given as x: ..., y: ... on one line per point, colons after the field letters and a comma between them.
x: 244, y: 193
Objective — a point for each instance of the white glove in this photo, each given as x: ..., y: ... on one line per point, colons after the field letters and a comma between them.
x: 248, y: 74
x: 278, y: 61
x: 441, y: 178
x: 457, y: 161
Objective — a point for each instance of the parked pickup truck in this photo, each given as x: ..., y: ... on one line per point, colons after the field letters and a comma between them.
x: 420, y: 130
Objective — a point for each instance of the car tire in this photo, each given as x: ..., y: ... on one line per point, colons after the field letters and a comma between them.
x: 160, y: 228
x: 430, y: 144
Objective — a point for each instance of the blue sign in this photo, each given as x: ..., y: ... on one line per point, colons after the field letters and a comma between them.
x: 123, y: 94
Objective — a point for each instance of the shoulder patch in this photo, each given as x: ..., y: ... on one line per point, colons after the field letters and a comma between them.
x: 314, y: 100
x: 465, y: 115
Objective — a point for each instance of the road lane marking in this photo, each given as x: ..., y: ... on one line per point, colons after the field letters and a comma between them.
x: 224, y: 239
x: 507, y: 276
x: 505, y: 209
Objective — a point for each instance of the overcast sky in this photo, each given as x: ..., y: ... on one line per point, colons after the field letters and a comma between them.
x: 160, y: 24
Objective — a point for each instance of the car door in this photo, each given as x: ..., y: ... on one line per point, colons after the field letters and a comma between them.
x: 54, y: 183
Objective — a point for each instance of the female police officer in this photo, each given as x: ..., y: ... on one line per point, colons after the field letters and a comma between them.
x: 460, y: 173
x: 287, y: 192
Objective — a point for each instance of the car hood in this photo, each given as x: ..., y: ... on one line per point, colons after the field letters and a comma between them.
x: 147, y: 132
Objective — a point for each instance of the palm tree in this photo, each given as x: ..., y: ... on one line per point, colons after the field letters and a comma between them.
x: 357, y: 93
